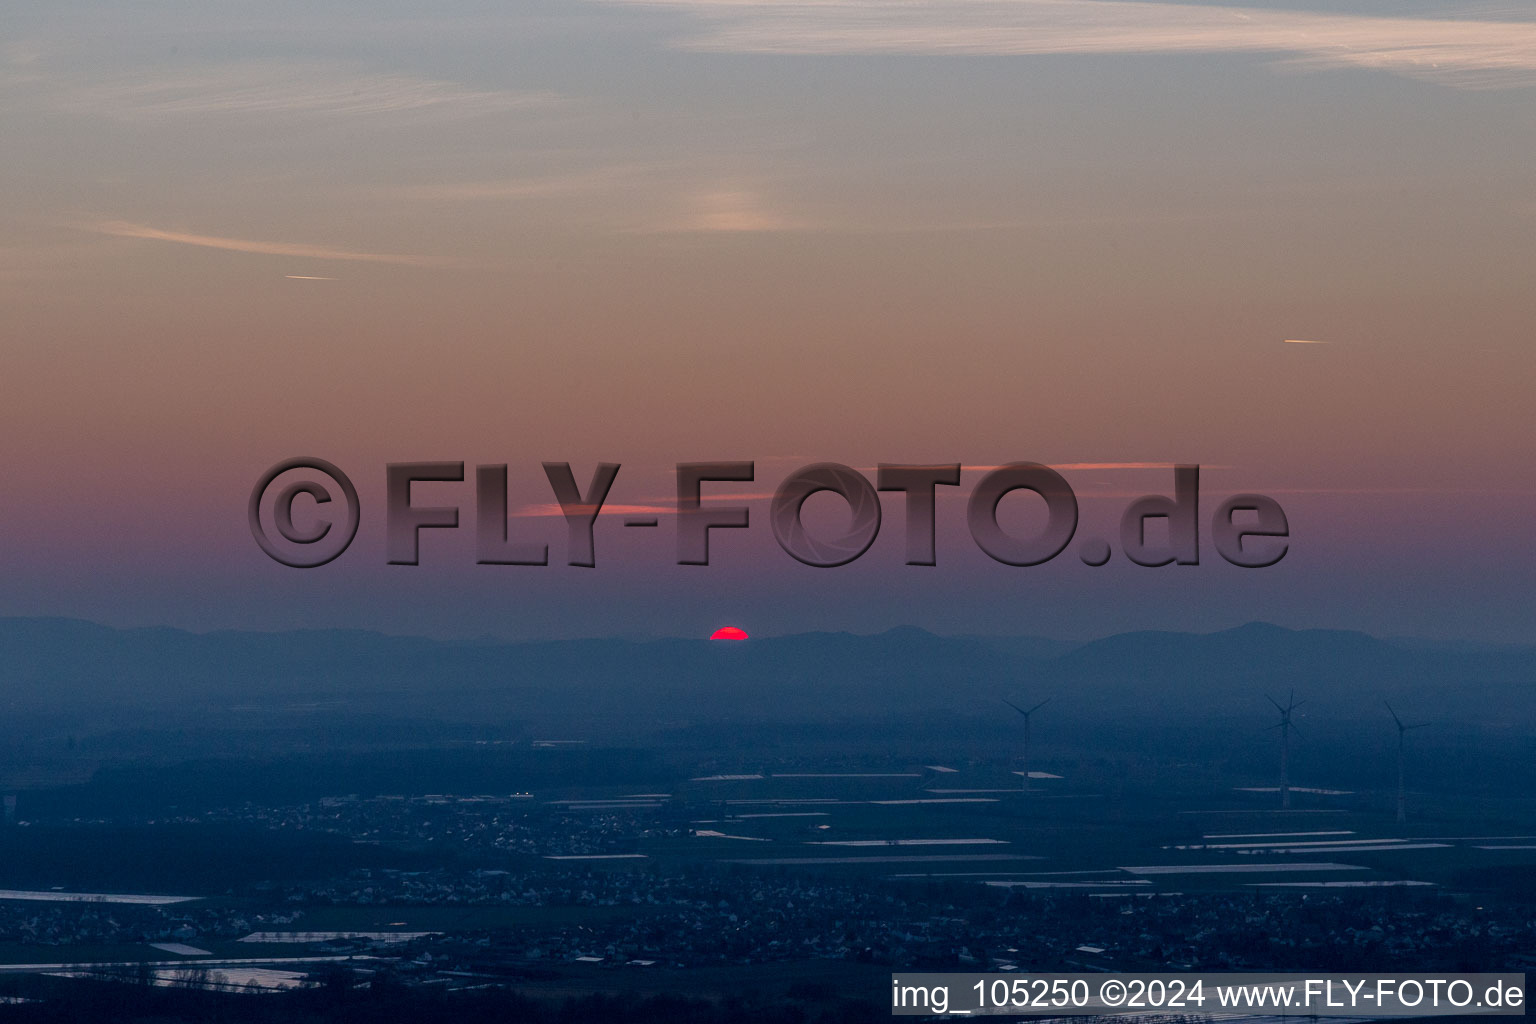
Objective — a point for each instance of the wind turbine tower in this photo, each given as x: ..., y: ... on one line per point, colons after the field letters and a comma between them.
x: 1402, y: 801
x: 1026, y: 715
x: 1285, y: 725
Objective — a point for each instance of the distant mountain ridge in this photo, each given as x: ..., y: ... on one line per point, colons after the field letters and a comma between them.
x: 51, y: 663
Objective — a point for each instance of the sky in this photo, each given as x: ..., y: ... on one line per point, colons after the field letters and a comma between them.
x: 1076, y: 232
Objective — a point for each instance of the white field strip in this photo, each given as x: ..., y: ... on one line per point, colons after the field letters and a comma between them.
x: 893, y: 859
x: 50, y: 896
x: 302, y: 937
x: 200, y: 964
x: 602, y: 805
x: 1278, y: 835
x: 1383, y: 848
x: 846, y: 775
x: 1337, y: 843
x: 1381, y: 883
x: 999, y: 874
x: 1025, y: 884
x: 942, y: 800
x: 1255, y: 869
x: 909, y: 842
x: 785, y: 814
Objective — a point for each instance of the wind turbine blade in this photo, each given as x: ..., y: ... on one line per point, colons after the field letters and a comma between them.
x: 1015, y: 707
x: 1275, y: 703
x: 1399, y: 721
x: 1037, y: 707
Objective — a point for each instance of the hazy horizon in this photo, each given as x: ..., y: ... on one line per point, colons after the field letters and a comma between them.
x: 1067, y: 642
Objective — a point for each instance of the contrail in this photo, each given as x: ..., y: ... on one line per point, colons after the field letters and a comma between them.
x: 125, y: 229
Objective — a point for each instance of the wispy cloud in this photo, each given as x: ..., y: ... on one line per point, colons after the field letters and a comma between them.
x: 727, y: 210
x: 125, y: 229
x: 1453, y: 50
x: 636, y: 198
x: 551, y: 509
x: 282, y: 88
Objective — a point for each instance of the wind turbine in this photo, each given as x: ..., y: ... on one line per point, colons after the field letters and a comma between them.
x: 1402, y: 802
x: 1026, y: 715
x: 1285, y: 725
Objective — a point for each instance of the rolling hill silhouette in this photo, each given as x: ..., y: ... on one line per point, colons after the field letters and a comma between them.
x: 65, y: 663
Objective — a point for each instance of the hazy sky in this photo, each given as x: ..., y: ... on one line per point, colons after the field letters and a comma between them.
x: 650, y: 231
